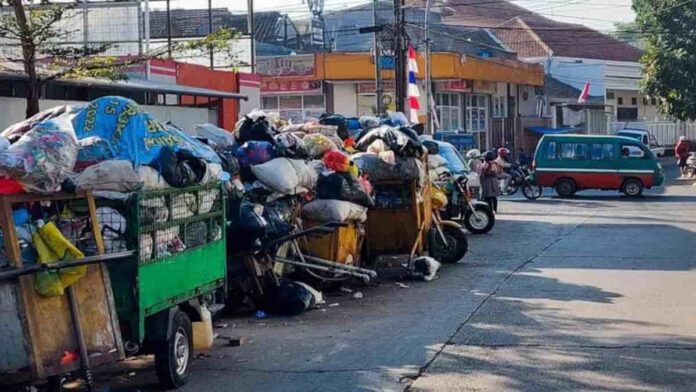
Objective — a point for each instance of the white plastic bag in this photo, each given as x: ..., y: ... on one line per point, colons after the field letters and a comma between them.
x: 206, y: 200
x: 184, y: 205
x: 334, y: 210
x: 277, y: 174
x: 114, y: 176
x: 151, y: 179
x: 435, y: 161
x: 307, y: 176
x: 318, y: 144
x: 213, y: 171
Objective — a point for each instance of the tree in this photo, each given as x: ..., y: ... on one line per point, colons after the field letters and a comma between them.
x: 39, y: 32
x: 668, y: 28
x: 628, y: 32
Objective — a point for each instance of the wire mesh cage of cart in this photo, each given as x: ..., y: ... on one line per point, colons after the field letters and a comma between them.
x: 179, y: 238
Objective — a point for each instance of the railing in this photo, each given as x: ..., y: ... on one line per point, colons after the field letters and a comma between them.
x: 666, y: 133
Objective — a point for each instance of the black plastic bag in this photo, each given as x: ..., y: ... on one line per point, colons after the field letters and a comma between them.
x: 278, y: 215
x: 180, y: 169
x: 338, y: 121
x: 343, y: 186
x: 259, y: 130
x: 403, y: 141
x: 432, y: 147
x: 288, y: 298
x: 230, y: 163
x: 195, y: 234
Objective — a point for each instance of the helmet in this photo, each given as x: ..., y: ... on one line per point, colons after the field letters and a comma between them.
x: 473, y: 154
x: 503, y: 152
x: 490, y: 156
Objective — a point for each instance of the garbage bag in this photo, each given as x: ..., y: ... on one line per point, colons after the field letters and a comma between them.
x: 255, y: 153
x: 181, y: 168
x: 403, y: 141
x: 136, y: 135
x: 145, y: 247
x: 378, y: 170
x: 93, y: 150
x: 338, y: 121
x: 307, y: 175
x: 432, y: 147
x: 230, y: 163
x: 369, y: 122
x: 43, y: 157
x: 52, y: 247
x: 207, y: 199
x: 252, y: 128
x: 291, y: 146
x: 340, y: 162
x: 343, y: 186
x: 334, y: 211
x: 277, y: 174
x: 278, y: 215
x: 113, y: 229
x: 151, y: 179
x: 195, y: 234
x: 395, y: 119
x: 213, y: 173
x: 115, y: 176
x: 184, y: 205
x: 435, y: 161
x: 288, y: 298
x: 153, y: 210
x: 318, y: 144
x: 219, y: 137
x: 16, y: 131
x: 9, y: 186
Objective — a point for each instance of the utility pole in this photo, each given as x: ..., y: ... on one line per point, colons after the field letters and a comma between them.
x: 169, y: 29
x: 251, y: 24
x: 428, y: 122
x: 210, y: 31
x: 378, y: 66
x: 399, y: 59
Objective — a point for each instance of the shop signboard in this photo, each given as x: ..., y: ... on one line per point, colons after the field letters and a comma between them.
x: 461, y: 85
x: 485, y: 87
x: 298, y: 65
x: 371, y: 87
x: 291, y: 86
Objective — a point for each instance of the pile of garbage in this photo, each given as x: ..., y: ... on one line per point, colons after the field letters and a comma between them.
x: 112, y: 147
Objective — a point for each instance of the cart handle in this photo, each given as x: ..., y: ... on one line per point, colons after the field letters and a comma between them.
x: 39, y: 267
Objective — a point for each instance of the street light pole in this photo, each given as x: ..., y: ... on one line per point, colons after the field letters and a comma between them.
x: 252, y: 35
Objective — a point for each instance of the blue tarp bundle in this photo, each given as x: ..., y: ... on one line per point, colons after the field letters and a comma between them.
x: 133, y: 134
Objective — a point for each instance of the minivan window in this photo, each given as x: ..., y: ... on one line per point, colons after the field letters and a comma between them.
x: 632, y: 151
x: 577, y: 151
x: 550, y: 152
x: 602, y: 151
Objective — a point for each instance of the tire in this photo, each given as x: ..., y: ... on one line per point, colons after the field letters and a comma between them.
x: 532, y: 192
x: 456, y: 248
x: 632, y: 187
x: 482, y: 225
x: 566, y: 187
x: 511, y: 188
x: 173, y: 357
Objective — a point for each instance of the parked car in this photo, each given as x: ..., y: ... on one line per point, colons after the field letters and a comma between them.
x: 645, y: 137
x: 570, y: 163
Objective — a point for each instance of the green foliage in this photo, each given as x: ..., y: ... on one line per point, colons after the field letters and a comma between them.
x: 669, y: 62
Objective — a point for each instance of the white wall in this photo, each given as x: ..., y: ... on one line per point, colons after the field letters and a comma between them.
x: 12, y: 111
x: 527, y: 107
x: 345, y: 99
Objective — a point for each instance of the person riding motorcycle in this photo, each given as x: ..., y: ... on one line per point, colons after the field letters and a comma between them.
x: 504, y: 165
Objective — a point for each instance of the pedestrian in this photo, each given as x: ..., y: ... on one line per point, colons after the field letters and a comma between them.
x: 681, y: 151
x: 490, y: 187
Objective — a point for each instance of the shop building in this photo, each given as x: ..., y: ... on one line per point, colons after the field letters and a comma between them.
x: 481, y: 96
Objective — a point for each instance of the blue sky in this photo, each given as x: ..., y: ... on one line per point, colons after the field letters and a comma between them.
x: 598, y: 14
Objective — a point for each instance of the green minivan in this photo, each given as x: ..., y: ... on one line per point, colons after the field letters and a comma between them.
x: 570, y: 163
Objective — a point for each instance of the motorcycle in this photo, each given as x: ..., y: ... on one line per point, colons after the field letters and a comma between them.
x: 477, y: 216
x: 520, y: 179
x: 691, y: 165
x: 446, y: 239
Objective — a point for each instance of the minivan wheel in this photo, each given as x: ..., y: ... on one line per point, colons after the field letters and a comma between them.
x: 632, y: 187
x: 565, y: 187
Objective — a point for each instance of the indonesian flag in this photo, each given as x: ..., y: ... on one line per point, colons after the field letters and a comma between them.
x: 413, y: 92
x: 585, y: 93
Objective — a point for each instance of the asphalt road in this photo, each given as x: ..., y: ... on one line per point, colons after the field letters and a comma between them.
x: 591, y: 293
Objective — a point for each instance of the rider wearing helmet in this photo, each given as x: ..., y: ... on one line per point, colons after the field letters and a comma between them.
x: 504, y: 165
x: 490, y: 188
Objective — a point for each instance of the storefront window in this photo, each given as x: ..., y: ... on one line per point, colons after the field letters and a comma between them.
x: 449, y: 111
x: 295, y: 108
x: 476, y: 112
x: 499, y: 107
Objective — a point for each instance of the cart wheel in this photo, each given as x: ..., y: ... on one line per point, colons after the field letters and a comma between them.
x: 456, y: 247
x: 173, y: 357
x: 54, y: 383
